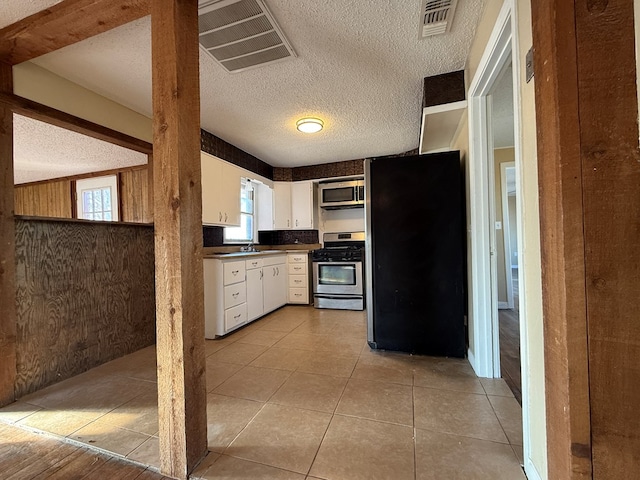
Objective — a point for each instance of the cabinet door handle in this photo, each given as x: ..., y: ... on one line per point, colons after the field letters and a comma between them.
x: 296, y: 222
x: 235, y: 272
x: 234, y: 295
x: 288, y: 223
x: 237, y: 316
x: 261, y: 274
x: 274, y: 272
x: 219, y: 216
x: 254, y: 263
x: 225, y: 216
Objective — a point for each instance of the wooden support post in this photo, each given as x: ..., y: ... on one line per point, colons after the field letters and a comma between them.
x: 587, y: 121
x: 178, y: 236
x: 7, y: 247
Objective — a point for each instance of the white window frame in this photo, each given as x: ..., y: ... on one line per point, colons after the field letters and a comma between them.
x: 97, y: 183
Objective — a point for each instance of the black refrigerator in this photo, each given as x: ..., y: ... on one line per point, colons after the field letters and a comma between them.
x: 415, y: 254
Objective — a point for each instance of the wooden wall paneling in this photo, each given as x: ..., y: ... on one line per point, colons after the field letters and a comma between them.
x: 43, y: 113
x: 134, y: 196
x: 178, y: 236
x: 7, y: 248
x: 85, y: 295
x: 47, y: 199
x: 562, y: 240
x: 65, y: 23
x: 611, y: 198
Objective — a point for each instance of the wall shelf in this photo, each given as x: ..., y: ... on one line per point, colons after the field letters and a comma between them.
x: 439, y: 126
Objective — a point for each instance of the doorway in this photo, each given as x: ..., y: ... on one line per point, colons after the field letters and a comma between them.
x: 484, y: 332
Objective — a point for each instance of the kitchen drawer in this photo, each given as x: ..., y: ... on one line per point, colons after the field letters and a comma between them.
x: 235, y: 294
x: 235, y: 316
x: 233, y: 272
x: 274, y: 260
x: 254, y: 263
x: 298, y: 257
x: 298, y: 281
x: 298, y: 295
x: 297, y: 269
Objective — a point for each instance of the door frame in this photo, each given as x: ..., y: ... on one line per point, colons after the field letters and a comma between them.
x: 506, y: 230
x: 483, y: 342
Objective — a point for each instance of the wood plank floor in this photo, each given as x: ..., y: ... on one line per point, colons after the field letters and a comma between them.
x: 510, y: 344
x: 25, y: 455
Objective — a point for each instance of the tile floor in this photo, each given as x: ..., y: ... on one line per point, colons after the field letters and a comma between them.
x: 299, y: 394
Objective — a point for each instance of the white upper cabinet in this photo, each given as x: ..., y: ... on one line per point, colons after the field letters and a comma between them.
x: 220, y: 191
x: 264, y: 206
x: 294, y: 206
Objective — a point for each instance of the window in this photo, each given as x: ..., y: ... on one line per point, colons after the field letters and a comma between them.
x: 97, y: 198
x: 243, y: 233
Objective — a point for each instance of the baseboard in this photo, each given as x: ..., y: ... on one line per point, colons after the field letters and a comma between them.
x: 531, y: 471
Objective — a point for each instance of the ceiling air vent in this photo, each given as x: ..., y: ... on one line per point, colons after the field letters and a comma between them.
x: 241, y: 34
x: 436, y: 17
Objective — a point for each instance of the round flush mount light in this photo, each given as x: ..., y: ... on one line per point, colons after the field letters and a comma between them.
x: 309, y: 125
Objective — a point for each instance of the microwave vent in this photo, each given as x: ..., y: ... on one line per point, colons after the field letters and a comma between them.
x: 241, y: 34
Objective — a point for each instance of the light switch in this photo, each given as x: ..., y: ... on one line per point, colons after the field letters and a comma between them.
x: 498, y: 225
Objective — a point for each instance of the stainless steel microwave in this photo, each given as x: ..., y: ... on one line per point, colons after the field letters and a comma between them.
x: 342, y: 194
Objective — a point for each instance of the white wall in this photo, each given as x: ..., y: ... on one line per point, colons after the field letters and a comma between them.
x: 40, y: 85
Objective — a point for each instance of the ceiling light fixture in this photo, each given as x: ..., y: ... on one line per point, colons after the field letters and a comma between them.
x: 309, y: 125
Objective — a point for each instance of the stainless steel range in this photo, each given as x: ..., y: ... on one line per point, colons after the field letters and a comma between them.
x: 338, y: 275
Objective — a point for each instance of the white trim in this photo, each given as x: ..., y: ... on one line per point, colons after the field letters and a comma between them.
x: 503, y: 39
x: 506, y: 231
x: 503, y: 306
x: 95, y: 183
x: 482, y: 305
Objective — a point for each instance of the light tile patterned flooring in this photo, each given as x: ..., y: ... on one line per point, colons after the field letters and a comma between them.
x: 299, y: 394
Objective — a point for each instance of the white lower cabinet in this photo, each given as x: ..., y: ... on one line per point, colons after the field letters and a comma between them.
x: 255, y: 306
x: 237, y: 291
x: 299, y: 278
x: 275, y: 282
x: 225, y: 296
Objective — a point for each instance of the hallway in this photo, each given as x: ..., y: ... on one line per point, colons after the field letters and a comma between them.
x: 295, y: 395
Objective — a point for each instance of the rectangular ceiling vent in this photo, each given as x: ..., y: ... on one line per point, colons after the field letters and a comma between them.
x: 436, y: 17
x: 241, y: 34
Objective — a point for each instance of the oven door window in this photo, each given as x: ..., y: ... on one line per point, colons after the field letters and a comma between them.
x: 337, y: 195
x: 342, y: 274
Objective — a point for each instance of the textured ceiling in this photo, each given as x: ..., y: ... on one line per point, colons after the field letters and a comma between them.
x: 360, y: 67
x: 43, y: 151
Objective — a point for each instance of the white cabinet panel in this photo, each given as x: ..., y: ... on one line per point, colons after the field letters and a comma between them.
x: 275, y: 284
x: 297, y: 268
x: 299, y: 277
x: 302, y: 205
x: 255, y: 305
x: 234, y: 272
x: 298, y: 295
x: 235, y: 294
x: 220, y: 191
x: 264, y: 206
x: 299, y: 281
x: 235, y: 316
x: 282, y: 205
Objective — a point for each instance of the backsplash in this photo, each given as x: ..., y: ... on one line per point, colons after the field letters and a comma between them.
x: 287, y: 237
x: 212, y: 236
x: 347, y: 168
x: 213, y: 145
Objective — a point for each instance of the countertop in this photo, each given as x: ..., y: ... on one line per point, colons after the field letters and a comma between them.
x: 210, y: 252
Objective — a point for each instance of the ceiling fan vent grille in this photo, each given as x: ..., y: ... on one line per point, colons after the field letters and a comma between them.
x: 241, y: 34
x: 436, y: 17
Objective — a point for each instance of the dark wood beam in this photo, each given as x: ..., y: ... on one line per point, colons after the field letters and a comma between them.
x: 178, y: 236
x: 63, y: 24
x: 562, y: 240
x: 8, y: 323
x: 43, y: 113
x: 611, y: 201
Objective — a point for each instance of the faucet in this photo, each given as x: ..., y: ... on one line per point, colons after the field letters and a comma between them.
x: 248, y: 248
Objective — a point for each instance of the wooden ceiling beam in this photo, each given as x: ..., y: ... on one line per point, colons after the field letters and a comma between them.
x: 37, y: 111
x: 65, y: 23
